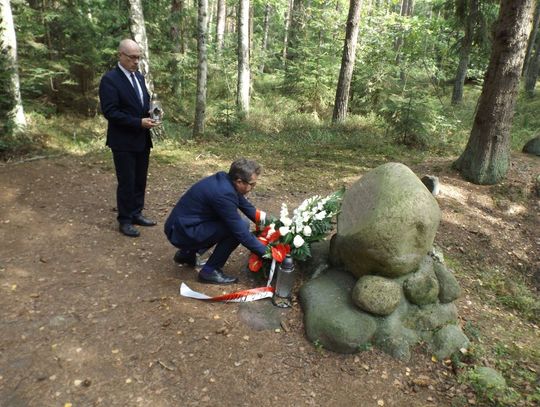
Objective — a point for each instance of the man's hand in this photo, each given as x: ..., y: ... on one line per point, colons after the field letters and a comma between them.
x: 149, y: 123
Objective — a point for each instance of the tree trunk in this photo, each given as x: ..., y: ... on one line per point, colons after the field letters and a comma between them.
x: 465, y: 52
x: 138, y: 31
x: 288, y: 17
x: 202, y: 68
x: 532, y: 40
x: 266, y: 26
x: 8, y: 42
x: 220, y: 24
x: 242, y: 89
x: 295, y: 29
x: 531, y: 75
x: 347, y: 62
x: 486, y: 156
x: 177, y: 25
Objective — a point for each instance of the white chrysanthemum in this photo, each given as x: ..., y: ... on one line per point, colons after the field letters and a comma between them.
x: 284, y: 230
x: 286, y: 221
x: 306, y: 231
x: 298, y: 241
x: 321, y: 215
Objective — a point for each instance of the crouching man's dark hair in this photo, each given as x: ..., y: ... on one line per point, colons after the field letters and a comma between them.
x: 243, y: 169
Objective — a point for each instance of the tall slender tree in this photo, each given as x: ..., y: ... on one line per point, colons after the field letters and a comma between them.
x: 532, y: 39
x: 138, y: 31
x: 8, y: 43
x: 220, y: 24
x: 266, y: 27
x: 486, y: 156
x: 347, y: 62
x: 177, y: 25
x: 244, y: 72
x: 468, y: 13
x: 202, y: 68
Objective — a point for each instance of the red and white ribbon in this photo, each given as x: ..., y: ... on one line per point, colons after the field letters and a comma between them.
x: 252, y: 294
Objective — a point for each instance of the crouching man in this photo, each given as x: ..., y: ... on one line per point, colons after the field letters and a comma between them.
x: 208, y: 214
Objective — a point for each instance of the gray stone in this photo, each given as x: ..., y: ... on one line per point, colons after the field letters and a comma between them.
x: 330, y: 317
x: 532, y: 146
x: 430, y: 317
x: 422, y: 287
x: 393, y: 337
x: 448, y: 340
x: 260, y: 315
x: 387, y: 222
x: 432, y: 184
x: 449, y: 287
x: 319, y: 260
x: 377, y: 295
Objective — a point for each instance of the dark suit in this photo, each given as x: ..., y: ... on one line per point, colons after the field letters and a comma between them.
x: 207, y: 214
x: 129, y: 141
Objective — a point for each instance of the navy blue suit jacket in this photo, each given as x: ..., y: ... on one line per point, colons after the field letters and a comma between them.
x: 123, y: 111
x: 212, y: 199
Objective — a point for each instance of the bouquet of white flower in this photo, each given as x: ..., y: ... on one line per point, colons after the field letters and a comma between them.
x: 309, y: 223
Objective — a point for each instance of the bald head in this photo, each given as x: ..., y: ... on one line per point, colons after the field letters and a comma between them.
x: 129, y: 54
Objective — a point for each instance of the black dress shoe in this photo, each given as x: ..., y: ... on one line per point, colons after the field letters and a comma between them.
x: 142, y: 221
x: 182, y: 258
x: 216, y: 276
x: 128, y: 230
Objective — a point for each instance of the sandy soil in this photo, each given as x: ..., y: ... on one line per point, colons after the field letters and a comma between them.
x: 93, y: 318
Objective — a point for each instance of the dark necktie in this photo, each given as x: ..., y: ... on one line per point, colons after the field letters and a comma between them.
x: 134, y: 82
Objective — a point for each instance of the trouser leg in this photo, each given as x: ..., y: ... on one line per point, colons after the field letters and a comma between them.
x: 124, y: 163
x: 141, y: 173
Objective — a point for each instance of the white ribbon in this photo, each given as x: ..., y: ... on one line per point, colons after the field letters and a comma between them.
x: 271, y: 273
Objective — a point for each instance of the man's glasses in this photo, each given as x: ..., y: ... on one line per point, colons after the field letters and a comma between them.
x: 251, y: 184
x: 132, y: 57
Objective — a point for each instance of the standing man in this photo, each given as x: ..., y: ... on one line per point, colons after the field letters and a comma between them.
x: 125, y: 103
x: 208, y: 214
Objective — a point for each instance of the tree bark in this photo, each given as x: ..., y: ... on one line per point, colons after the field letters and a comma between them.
x: 486, y: 156
x: 288, y: 17
x: 8, y: 41
x: 138, y: 31
x: 465, y: 52
x: 243, y: 83
x: 220, y: 24
x: 532, y: 40
x: 531, y: 74
x: 347, y: 62
x: 202, y: 68
x: 177, y: 25
x: 266, y: 27
x: 295, y: 29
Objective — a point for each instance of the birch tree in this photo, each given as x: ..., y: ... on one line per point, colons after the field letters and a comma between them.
x: 486, y: 156
x: 8, y: 42
x: 266, y: 27
x: 220, y: 24
x: 138, y: 31
x: 202, y: 68
x: 347, y: 62
x: 244, y: 73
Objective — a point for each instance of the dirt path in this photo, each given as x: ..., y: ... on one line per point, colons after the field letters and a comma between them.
x: 92, y: 318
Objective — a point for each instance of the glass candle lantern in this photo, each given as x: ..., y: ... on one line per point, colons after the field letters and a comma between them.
x: 284, y: 283
x: 156, y: 111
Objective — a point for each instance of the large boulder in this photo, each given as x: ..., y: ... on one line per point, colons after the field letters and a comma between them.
x: 387, y: 223
x: 331, y: 318
x: 532, y: 146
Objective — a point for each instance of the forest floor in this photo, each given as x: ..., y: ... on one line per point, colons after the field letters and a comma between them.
x: 93, y: 318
